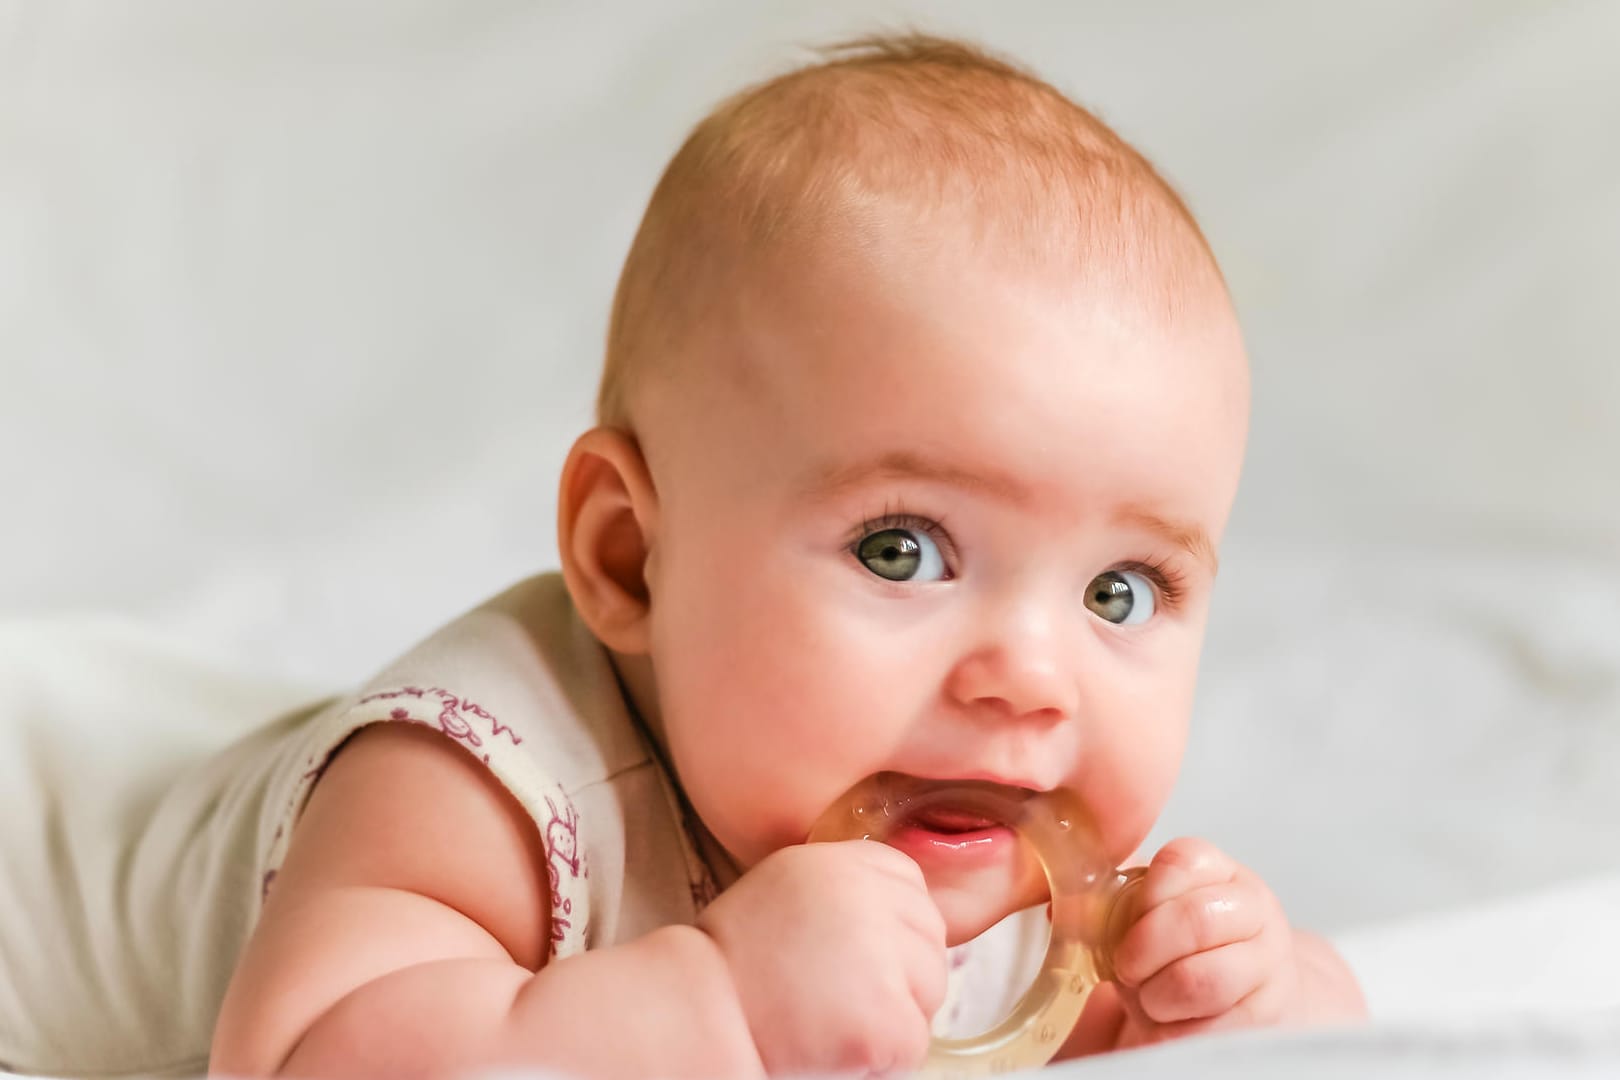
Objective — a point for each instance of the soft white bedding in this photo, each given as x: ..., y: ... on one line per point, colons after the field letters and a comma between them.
x: 1530, y: 1048
x: 300, y: 305
x: 1581, y: 1048
x: 1551, y: 953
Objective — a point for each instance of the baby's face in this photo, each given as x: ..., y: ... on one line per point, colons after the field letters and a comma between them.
x: 931, y: 517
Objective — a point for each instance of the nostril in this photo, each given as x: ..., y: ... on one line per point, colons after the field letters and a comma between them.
x: 999, y: 706
x: 1004, y: 709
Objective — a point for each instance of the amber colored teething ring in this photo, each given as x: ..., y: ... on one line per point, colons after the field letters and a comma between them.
x: 1087, y: 912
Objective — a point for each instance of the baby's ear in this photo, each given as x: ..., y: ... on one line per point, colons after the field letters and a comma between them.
x: 606, y: 512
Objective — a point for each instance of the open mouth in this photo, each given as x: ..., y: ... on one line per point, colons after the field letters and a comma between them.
x: 943, y: 827
x: 954, y: 839
x: 944, y: 822
x: 952, y: 820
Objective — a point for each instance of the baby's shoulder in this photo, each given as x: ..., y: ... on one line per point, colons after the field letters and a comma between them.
x: 402, y: 809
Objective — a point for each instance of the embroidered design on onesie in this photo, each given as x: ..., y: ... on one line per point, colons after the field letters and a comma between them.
x: 452, y: 717
x: 565, y: 856
x: 563, y: 853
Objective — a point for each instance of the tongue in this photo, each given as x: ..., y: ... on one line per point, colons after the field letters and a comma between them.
x: 948, y: 819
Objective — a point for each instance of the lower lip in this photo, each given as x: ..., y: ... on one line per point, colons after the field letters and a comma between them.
x: 972, y: 848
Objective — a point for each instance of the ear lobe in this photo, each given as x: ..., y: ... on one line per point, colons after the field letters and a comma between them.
x: 606, y: 514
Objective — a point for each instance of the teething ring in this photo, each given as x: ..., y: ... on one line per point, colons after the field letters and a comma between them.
x: 1086, y: 896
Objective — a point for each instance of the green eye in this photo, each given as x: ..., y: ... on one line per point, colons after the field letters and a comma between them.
x: 1121, y: 597
x: 901, y: 555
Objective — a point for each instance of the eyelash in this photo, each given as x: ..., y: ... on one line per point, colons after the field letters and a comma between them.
x: 1170, y: 583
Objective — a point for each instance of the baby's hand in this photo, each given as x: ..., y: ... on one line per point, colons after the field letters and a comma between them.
x: 1209, y: 949
x: 838, y: 957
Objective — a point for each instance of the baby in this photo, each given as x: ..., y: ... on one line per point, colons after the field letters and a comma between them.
x: 923, y: 412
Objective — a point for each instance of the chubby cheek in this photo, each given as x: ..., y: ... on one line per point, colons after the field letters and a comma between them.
x: 773, y: 704
x: 1127, y: 780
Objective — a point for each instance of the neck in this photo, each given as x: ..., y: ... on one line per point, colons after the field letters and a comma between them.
x: 640, y: 690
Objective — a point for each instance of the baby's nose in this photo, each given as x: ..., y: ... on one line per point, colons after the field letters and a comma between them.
x: 1016, y: 679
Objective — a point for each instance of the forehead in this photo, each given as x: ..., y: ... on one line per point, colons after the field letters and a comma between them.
x: 1032, y: 380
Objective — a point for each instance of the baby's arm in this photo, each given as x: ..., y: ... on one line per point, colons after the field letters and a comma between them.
x: 408, y: 931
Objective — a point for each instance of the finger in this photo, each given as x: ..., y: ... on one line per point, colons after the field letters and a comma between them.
x: 916, y: 910
x: 922, y: 950
x: 899, y: 885
x: 1206, y: 984
x: 1193, y: 922
x: 1149, y: 1033
x: 884, y: 863
x: 927, y: 969
x: 891, y: 861
x: 893, y: 870
x: 1264, y: 1007
x: 1182, y: 865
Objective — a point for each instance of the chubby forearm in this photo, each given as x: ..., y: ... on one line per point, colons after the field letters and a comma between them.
x: 1329, y: 991
x: 661, y: 1005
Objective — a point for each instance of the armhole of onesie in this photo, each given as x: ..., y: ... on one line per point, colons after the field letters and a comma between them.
x: 506, y: 753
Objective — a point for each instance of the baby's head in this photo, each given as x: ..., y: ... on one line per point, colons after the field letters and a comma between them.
x: 923, y: 413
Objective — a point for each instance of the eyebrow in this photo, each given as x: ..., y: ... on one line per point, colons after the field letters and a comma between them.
x: 1189, y: 538
x: 905, y: 465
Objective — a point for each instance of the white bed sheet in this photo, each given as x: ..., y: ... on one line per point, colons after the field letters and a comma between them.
x: 1553, y: 953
